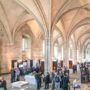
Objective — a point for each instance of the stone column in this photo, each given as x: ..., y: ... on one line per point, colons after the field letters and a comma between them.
x: 47, y: 55
x: 51, y: 55
x: 75, y: 56
x: 80, y: 56
x: 66, y: 54
x: 0, y: 55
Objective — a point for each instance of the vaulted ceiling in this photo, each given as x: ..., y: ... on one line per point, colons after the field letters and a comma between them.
x: 70, y: 17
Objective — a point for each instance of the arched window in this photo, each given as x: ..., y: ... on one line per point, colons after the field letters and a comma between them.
x: 88, y: 53
x: 25, y: 43
x: 43, y: 47
x: 56, y: 51
x: 26, y: 47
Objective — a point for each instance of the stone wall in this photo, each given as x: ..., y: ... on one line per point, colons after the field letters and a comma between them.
x: 13, y: 51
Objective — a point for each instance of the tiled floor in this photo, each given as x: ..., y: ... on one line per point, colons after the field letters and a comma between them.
x: 72, y: 77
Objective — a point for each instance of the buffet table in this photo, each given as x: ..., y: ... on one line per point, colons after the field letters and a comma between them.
x: 31, y: 80
x: 20, y: 85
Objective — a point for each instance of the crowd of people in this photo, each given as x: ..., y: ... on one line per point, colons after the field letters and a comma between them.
x: 85, y: 72
x: 59, y: 78
x: 17, y: 72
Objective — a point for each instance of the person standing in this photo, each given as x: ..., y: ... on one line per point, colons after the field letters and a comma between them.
x: 17, y: 74
x: 32, y: 69
x: 38, y: 79
x: 61, y: 75
x: 12, y: 75
x: 66, y: 70
x: 37, y: 69
x: 47, y: 80
x: 53, y: 79
x: 2, y: 84
x: 57, y: 81
x: 65, y: 81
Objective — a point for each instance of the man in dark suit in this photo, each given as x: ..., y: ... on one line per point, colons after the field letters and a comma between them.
x: 47, y: 80
x: 38, y: 79
x: 53, y: 80
x: 12, y: 75
x: 2, y: 84
x: 65, y: 81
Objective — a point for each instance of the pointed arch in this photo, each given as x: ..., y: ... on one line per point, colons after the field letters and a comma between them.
x: 4, y: 21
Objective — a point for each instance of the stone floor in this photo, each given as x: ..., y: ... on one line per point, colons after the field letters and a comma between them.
x: 72, y: 77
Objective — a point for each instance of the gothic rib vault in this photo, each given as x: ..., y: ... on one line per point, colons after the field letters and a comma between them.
x: 64, y: 22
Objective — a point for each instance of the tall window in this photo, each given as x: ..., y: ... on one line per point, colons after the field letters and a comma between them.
x: 24, y: 43
x: 56, y: 50
x: 88, y: 53
x: 43, y: 47
x: 70, y: 53
x: 26, y: 47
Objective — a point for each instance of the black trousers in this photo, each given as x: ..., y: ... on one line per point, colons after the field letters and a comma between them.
x: 38, y: 84
x: 53, y: 85
x: 66, y: 88
x: 18, y: 78
x: 46, y: 85
x: 12, y: 79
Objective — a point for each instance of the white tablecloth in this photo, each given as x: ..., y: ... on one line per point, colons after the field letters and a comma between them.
x: 19, y: 84
x: 30, y: 79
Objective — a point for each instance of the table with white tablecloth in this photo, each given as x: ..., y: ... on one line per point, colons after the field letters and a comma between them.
x: 31, y: 80
x: 19, y: 85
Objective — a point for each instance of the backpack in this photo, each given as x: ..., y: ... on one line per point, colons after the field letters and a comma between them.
x: 57, y: 79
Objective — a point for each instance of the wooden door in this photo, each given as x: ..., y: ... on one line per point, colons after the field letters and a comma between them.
x: 55, y: 65
x: 42, y: 66
x: 61, y: 63
x: 70, y: 64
